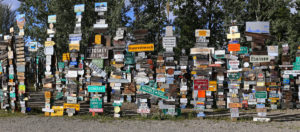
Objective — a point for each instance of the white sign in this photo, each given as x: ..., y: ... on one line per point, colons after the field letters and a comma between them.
x: 200, y: 51
x: 169, y: 31
x: 233, y: 29
x: 49, y: 50
x: 259, y: 58
x: 202, y: 33
x: 169, y: 42
x: 291, y: 72
x: 258, y: 27
x: 72, y: 74
x: 119, y: 57
x: 273, y: 50
x: 220, y: 52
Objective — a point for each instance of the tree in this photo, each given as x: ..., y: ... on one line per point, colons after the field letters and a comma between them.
x: 7, y: 18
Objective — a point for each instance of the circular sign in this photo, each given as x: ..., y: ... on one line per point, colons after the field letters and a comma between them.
x: 170, y: 71
x: 117, y: 109
x: 246, y: 64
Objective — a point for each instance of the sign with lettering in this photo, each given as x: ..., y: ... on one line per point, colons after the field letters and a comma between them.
x: 273, y: 50
x: 52, y: 19
x: 21, y: 20
x: 261, y: 94
x: 153, y: 91
x: 97, y: 52
x: 75, y: 106
x: 258, y: 27
x: 243, y: 50
x: 202, y: 33
x: 100, y: 89
x: 98, y: 62
x: 79, y: 8
x: 95, y: 103
x: 201, y: 84
x: 97, y: 39
x: 32, y: 46
x: 233, y: 36
x: 259, y: 58
x: 100, y: 6
x: 140, y: 47
x: 169, y: 42
x: 74, y: 47
x: 58, y: 111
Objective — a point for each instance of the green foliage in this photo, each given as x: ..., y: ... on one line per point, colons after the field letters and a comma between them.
x: 7, y: 18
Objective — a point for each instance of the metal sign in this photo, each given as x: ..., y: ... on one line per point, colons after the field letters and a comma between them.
x: 258, y: 27
x: 201, y: 84
x: 153, y: 91
x: 202, y: 33
x: 169, y: 42
x: 49, y: 50
x: 140, y: 47
x: 32, y: 46
x: 243, y: 50
x: 234, y: 47
x: 273, y: 50
x: 52, y: 19
x: 100, y: 6
x: 95, y: 103
x: 261, y: 94
x: 259, y: 58
x: 200, y: 51
x: 100, y: 89
x: 79, y: 8
x: 234, y: 36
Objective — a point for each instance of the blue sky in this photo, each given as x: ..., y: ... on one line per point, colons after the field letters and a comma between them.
x: 14, y: 4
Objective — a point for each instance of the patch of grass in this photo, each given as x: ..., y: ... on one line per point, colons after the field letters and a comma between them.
x: 10, y: 114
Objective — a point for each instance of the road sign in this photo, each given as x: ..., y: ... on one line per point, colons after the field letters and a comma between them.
x: 95, y: 103
x: 261, y: 94
x: 100, y: 89
x: 153, y: 91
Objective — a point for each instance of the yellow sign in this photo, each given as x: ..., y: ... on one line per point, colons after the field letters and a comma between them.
x: 140, y: 47
x: 117, y: 109
x: 193, y: 72
x: 49, y: 43
x: 261, y: 84
x: 274, y: 98
x: 47, y: 95
x: 195, y: 57
x: 97, y: 39
x: 76, y: 106
x: 233, y: 36
x: 58, y: 111
x: 74, y: 47
x: 66, y: 57
x: 212, y: 88
x: 212, y: 82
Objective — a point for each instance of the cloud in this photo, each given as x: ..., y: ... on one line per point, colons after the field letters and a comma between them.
x: 15, y: 4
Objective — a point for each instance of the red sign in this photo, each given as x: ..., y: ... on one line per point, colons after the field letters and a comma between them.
x: 201, y: 84
x: 234, y: 47
x: 96, y: 110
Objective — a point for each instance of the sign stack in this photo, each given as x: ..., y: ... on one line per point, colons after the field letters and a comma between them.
x: 219, y: 56
x: 118, y: 78
x: 49, y: 51
x: 4, y: 93
x: 233, y: 73
x: 11, y: 75
x: 201, y: 72
x: 260, y: 59
x: 144, y: 71
x: 297, y: 75
x: 183, y: 64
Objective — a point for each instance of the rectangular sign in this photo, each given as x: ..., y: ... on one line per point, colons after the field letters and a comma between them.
x: 140, y: 47
x: 100, y: 6
x: 75, y: 106
x: 233, y: 36
x: 258, y: 27
x: 201, y: 84
x: 79, y: 8
x: 100, y: 89
x: 261, y: 94
x: 74, y: 47
x: 97, y: 39
x: 234, y: 47
x: 259, y: 58
x: 52, y: 19
x: 200, y: 51
x: 97, y: 52
x: 96, y: 103
x: 169, y: 42
x: 202, y: 33
x: 153, y: 91
x: 58, y: 111
x: 273, y: 50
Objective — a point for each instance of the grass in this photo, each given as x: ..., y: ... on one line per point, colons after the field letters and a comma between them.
x: 4, y: 114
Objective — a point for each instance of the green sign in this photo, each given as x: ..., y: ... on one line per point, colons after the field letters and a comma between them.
x: 117, y: 104
x: 234, y: 76
x: 297, y: 59
x: 0, y: 66
x: 129, y: 58
x: 96, y: 103
x: 243, y: 50
x: 12, y: 95
x: 63, y: 80
x: 11, y: 76
x: 1, y: 92
x: 61, y: 65
x: 261, y: 94
x: 98, y: 62
x: 219, y: 56
x: 153, y: 91
x: 296, y: 65
x: 100, y: 89
x: 59, y: 95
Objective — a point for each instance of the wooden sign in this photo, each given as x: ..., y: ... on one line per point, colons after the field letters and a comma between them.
x: 98, y: 52
x: 140, y: 47
x: 234, y: 47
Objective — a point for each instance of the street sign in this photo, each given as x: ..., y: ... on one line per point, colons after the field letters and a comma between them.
x: 95, y: 103
x: 100, y: 89
x: 261, y: 94
x: 153, y: 91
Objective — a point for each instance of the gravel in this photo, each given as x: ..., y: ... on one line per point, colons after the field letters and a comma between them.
x: 63, y: 124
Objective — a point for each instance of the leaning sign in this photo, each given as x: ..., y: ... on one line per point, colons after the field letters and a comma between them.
x: 259, y: 58
x: 153, y: 91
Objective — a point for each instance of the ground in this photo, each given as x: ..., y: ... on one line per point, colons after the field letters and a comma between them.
x: 287, y: 120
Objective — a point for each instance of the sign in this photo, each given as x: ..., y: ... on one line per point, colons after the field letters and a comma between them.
x: 233, y: 36
x: 201, y: 84
x: 49, y: 43
x: 235, y: 105
x: 100, y: 6
x: 21, y: 20
x: 100, y: 89
x: 32, y: 46
x: 234, y: 75
x: 52, y: 19
x: 61, y: 65
x: 95, y: 103
x: 49, y: 50
x: 72, y: 74
x: 243, y: 50
x: 96, y: 110
x: 200, y: 51
x: 261, y: 94
x: 273, y: 50
x: 97, y: 39
x: 202, y: 33
x: 58, y: 111
x: 153, y: 91
x: 234, y: 47
x: 98, y: 62
x: 259, y: 58
x: 74, y: 47
x: 291, y: 72
x: 140, y: 47
x: 97, y: 52
x: 75, y: 106
x: 143, y: 110
x: 79, y: 8
x: 258, y: 27
x: 169, y: 42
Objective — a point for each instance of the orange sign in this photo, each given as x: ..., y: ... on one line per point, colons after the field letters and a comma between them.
x: 47, y: 95
x: 234, y: 47
x: 97, y: 39
x: 235, y: 105
x: 201, y: 94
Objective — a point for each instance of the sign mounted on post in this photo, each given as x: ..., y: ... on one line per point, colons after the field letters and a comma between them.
x: 100, y: 89
x: 259, y: 58
x: 52, y: 19
x: 169, y: 42
x: 140, y: 47
x: 153, y: 91
x: 234, y: 47
x: 273, y: 50
x: 258, y: 27
x: 202, y: 33
x: 97, y: 52
x: 79, y: 8
x: 100, y: 6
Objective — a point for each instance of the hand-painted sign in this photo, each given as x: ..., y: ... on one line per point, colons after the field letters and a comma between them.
x: 100, y: 89
x: 153, y: 91
x: 100, y: 6
x: 140, y: 47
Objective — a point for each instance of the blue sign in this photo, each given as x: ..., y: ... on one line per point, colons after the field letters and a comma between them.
x: 73, y: 63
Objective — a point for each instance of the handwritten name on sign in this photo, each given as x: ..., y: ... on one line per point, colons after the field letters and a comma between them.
x: 140, y: 47
x: 98, y: 52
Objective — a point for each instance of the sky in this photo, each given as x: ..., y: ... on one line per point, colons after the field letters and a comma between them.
x: 14, y: 4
